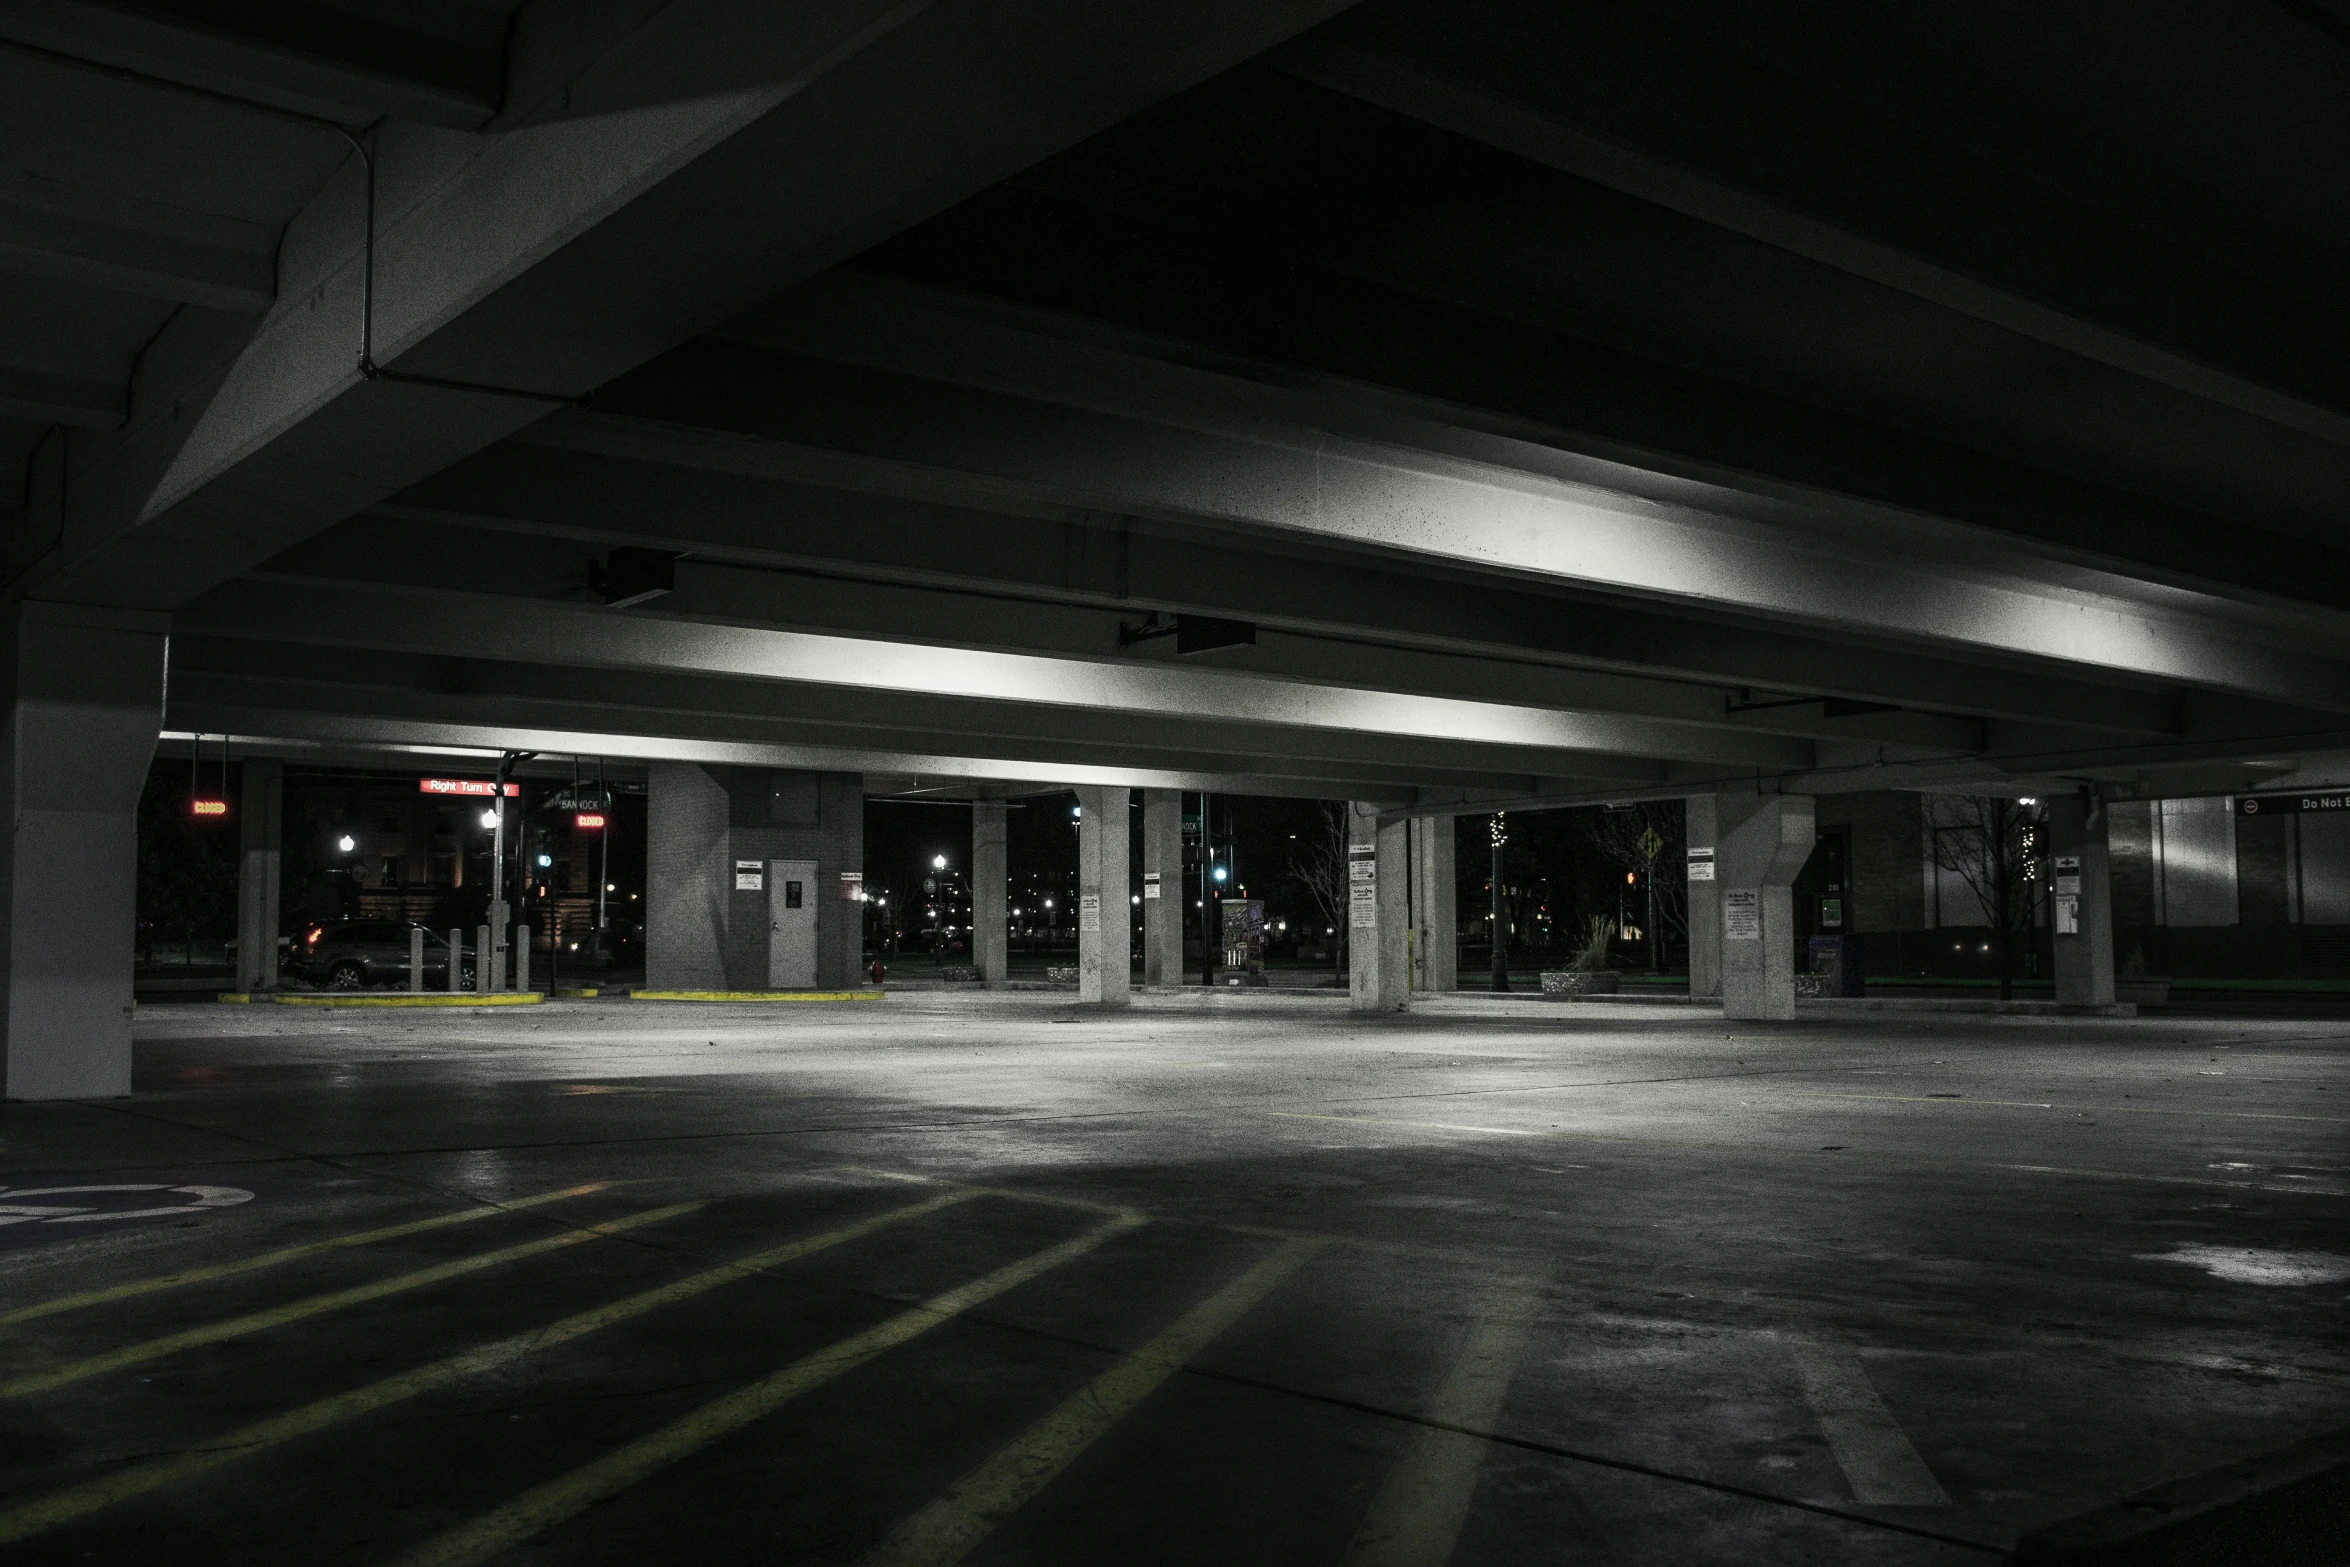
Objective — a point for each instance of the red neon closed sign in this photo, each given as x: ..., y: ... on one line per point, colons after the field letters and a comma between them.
x: 588, y: 821
x: 208, y: 807
x: 464, y: 786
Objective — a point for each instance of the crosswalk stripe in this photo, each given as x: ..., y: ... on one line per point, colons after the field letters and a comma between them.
x: 1875, y: 1454
x: 79, y: 1501
x: 1416, y: 1518
x: 318, y: 1305
x: 271, y: 1259
x: 944, y: 1532
x: 545, y: 1506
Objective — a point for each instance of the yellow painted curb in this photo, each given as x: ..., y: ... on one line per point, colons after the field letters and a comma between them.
x: 239, y: 996
x: 756, y: 995
x: 463, y: 998
x: 575, y: 994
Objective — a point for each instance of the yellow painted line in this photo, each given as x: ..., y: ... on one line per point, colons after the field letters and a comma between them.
x: 270, y: 1259
x: 315, y: 1305
x: 419, y: 999
x: 944, y: 1532
x: 1416, y: 1518
x: 542, y: 1508
x: 756, y: 995
x: 2029, y: 1104
x: 123, y: 1485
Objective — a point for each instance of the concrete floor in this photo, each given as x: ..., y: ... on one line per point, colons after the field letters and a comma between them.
x: 1225, y: 1279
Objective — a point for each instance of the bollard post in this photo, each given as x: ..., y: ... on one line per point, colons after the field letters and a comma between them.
x: 457, y: 958
x: 522, y: 957
x: 485, y: 962
x: 415, y: 959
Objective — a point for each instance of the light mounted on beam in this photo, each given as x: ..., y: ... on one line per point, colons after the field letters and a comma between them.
x: 1192, y: 633
x: 631, y: 574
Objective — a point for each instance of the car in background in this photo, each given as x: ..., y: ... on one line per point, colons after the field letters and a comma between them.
x: 354, y: 954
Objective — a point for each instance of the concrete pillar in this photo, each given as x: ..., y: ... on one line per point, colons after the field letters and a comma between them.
x: 1762, y: 842
x: 261, y: 825
x: 81, y: 697
x: 1378, y: 909
x: 2082, y: 900
x: 991, y: 877
x: 1163, y: 902
x: 1436, y: 944
x: 1105, y: 928
x: 1702, y: 824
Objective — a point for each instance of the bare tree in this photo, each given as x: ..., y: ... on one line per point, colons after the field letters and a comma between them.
x: 1651, y: 840
x: 1319, y: 865
x: 1993, y: 845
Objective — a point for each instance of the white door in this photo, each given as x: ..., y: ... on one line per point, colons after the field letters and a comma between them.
x: 791, y: 924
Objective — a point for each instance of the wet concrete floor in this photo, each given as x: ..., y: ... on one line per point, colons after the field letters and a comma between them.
x: 1223, y: 1279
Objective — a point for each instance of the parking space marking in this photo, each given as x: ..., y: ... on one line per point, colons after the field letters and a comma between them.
x: 1416, y: 1518
x: 317, y: 1305
x: 95, y: 1496
x: 271, y: 1259
x: 946, y: 1530
x: 1878, y: 1461
x: 545, y: 1506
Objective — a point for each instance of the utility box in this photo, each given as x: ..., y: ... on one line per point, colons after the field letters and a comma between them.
x: 1244, y: 941
x: 1838, y: 960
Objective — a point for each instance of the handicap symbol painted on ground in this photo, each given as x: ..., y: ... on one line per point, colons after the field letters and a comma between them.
x: 79, y: 1205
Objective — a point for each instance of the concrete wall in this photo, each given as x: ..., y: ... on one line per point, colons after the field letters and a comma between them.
x: 701, y: 931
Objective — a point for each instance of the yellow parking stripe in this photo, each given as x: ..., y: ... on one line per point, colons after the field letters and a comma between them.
x: 79, y: 1501
x: 542, y: 1508
x: 944, y: 1532
x: 270, y: 1259
x: 1416, y: 1518
x: 316, y: 1305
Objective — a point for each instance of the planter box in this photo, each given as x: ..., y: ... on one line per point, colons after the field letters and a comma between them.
x: 1813, y: 985
x: 959, y: 974
x: 1061, y: 976
x: 1567, y: 984
x: 2144, y: 992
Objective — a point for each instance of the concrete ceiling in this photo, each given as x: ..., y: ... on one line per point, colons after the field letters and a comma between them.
x: 1581, y: 401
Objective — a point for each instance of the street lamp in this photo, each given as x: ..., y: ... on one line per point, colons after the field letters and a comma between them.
x: 346, y: 843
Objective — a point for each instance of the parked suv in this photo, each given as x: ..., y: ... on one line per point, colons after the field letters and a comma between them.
x: 353, y: 954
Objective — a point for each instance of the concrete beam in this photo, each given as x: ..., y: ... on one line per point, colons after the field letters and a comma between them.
x: 575, y: 636
x: 1658, y: 111
x: 855, y: 429
x: 149, y: 263
x: 552, y: 487
x: 726, y: 151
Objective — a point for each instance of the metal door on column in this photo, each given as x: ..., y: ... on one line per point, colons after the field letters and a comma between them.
x: 791, y: 924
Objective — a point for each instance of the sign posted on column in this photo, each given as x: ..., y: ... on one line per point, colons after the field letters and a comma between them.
x: 1742, y: 915
x: 1362, y: 887
x: 1089, y: 914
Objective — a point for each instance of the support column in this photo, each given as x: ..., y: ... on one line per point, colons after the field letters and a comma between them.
x: 1762, y: 843
x: 261, y: 823
x: 1436, y: 937
x: 1163, y: 901
x: 1378, y: 910
x: 2082, y: 900
x: 991, y: 877
x: 1702, y: 824
x: 1105, y: 924
x: 81, y: 697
